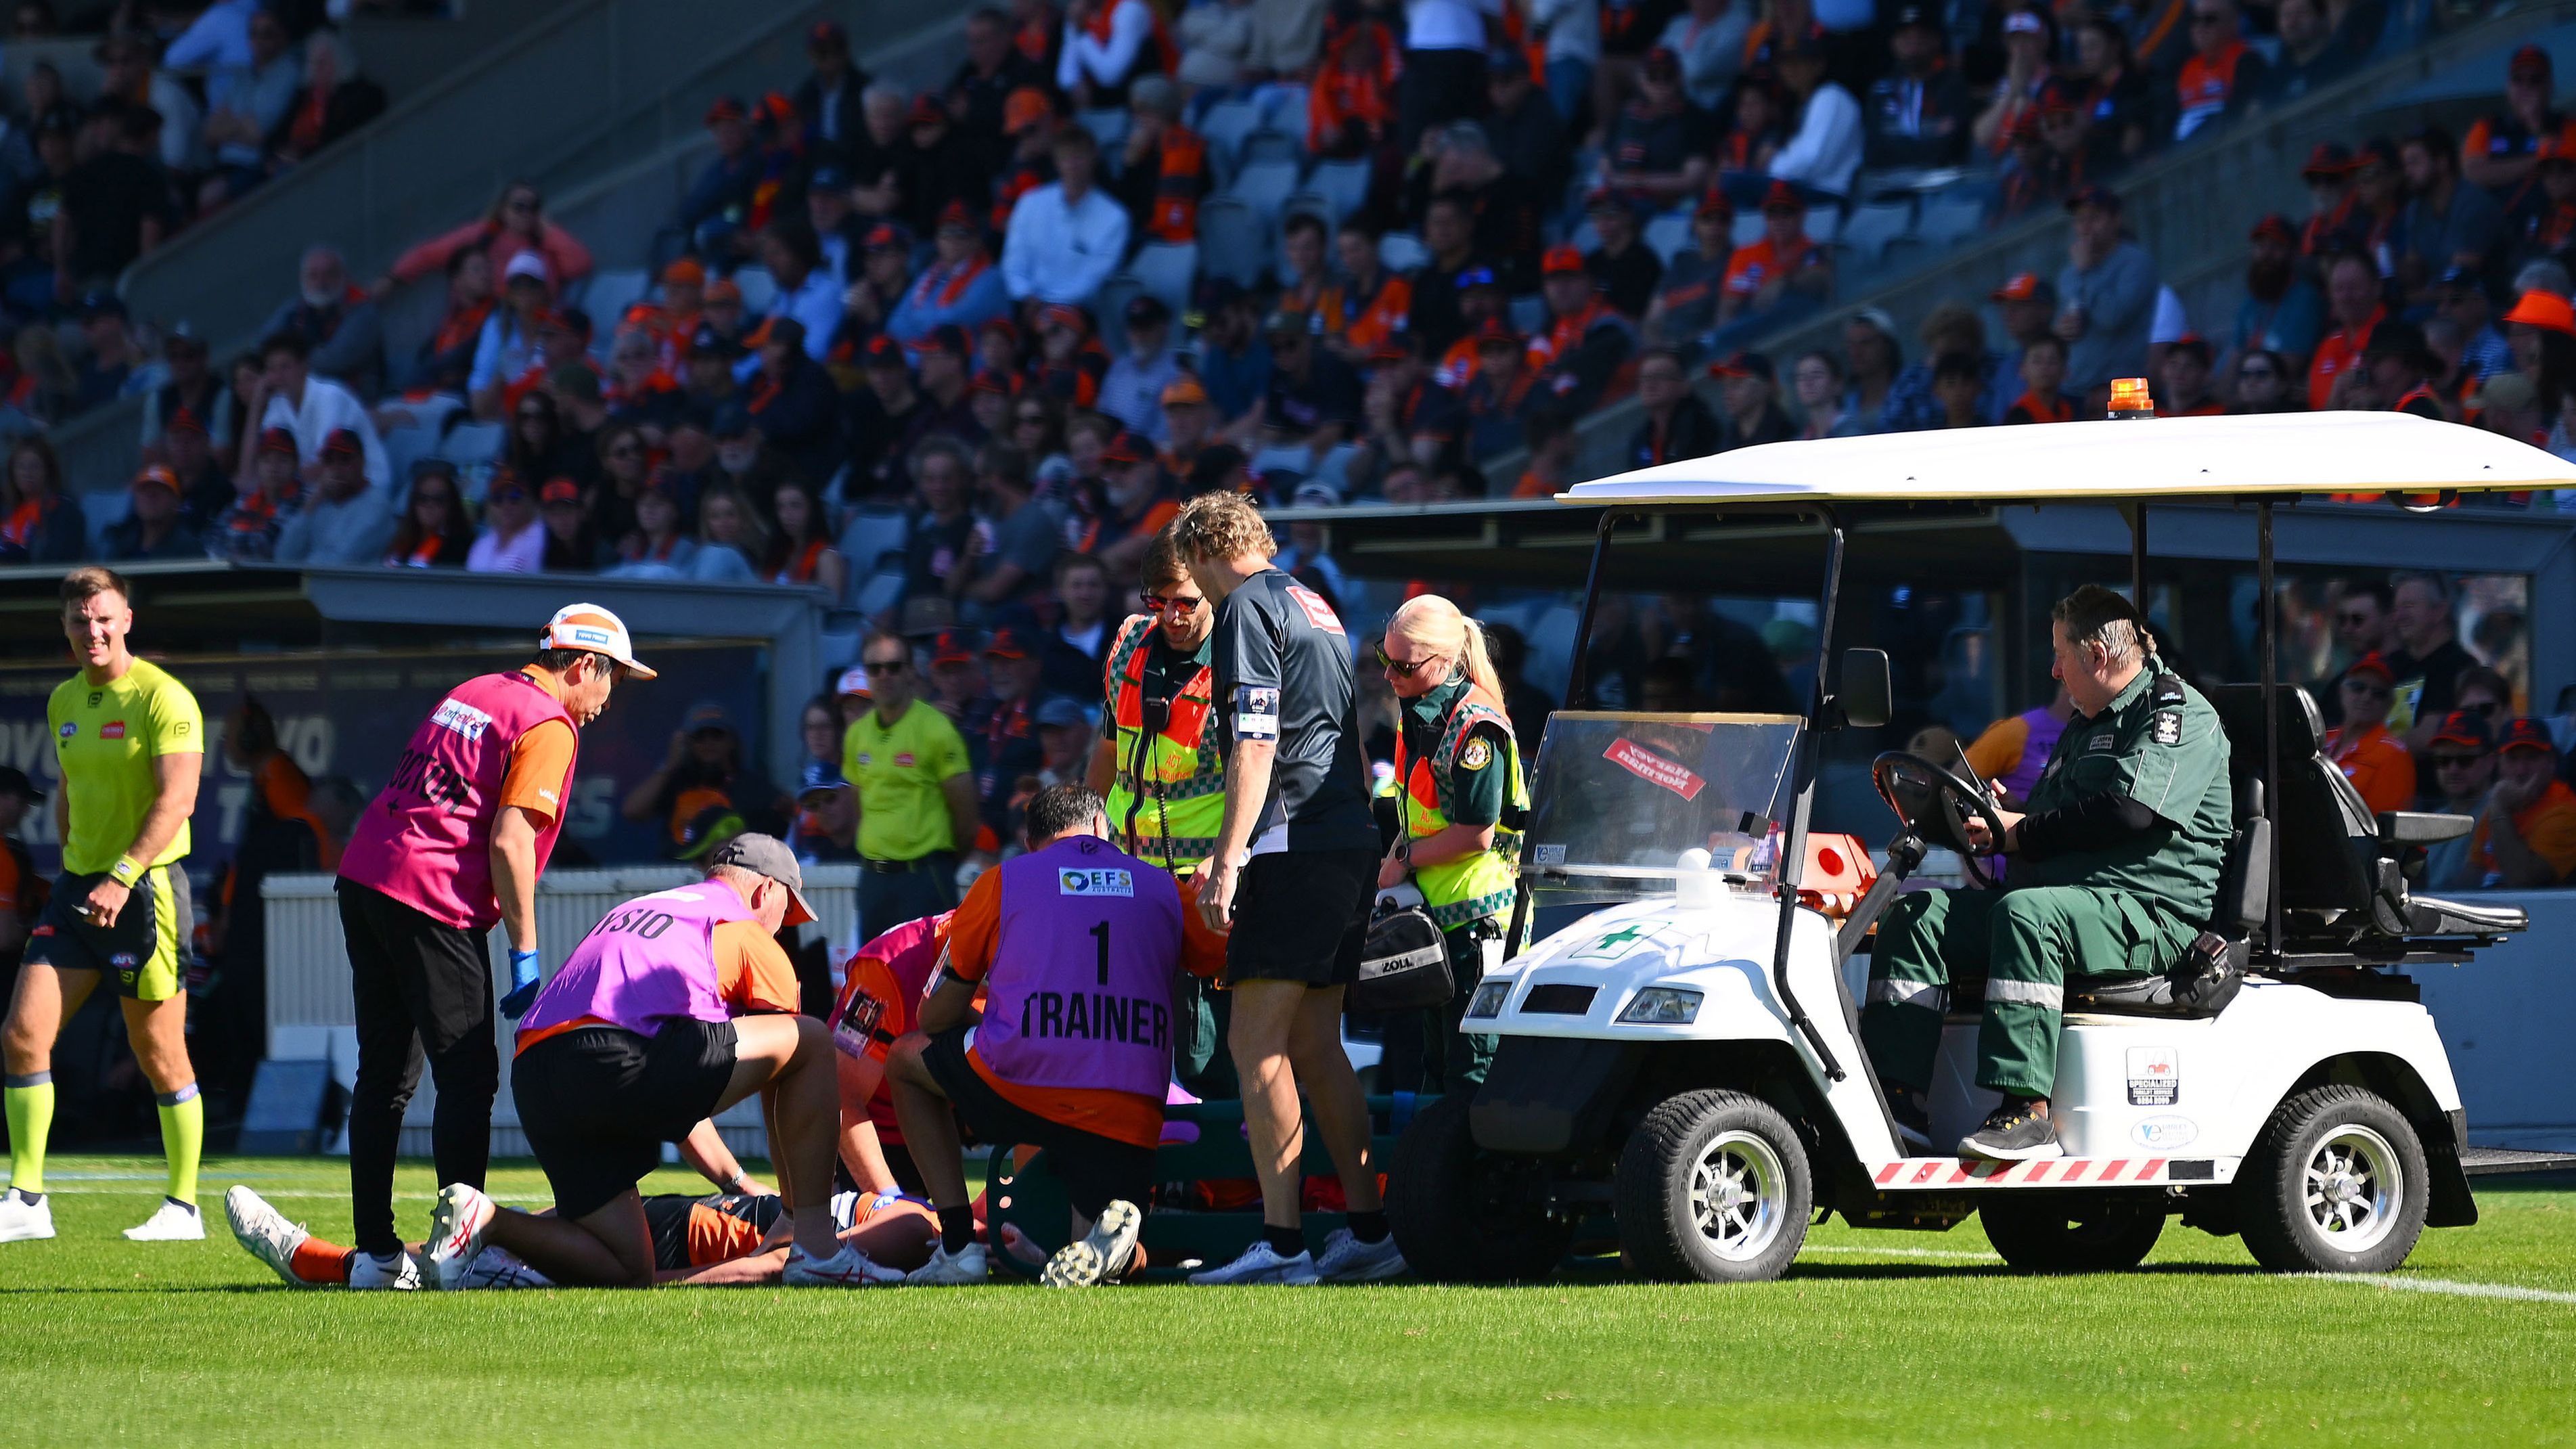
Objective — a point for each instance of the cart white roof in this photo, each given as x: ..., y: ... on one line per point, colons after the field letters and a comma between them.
x: 2344, y: 452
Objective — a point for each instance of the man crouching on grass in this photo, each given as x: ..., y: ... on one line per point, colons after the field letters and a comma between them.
x: 1074, y: 944
x: 676, y: 1006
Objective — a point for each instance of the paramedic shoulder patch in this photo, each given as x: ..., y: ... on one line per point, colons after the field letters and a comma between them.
x: 1476, y: 756
x: 2167, y: 727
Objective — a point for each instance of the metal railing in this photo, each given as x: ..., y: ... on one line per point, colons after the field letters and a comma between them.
x: 2190, y: 207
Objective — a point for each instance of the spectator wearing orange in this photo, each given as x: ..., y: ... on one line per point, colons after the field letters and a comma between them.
x: 1163, y: 165
x: 2502, y: 149
x: 2353, y: 304
x: 2540, y: 328
x: 2526, y: 834
x: 2184, y: 381
x: 1752, y: 392
x: 961, y: 285
x: 1499, y: 396
x: 1028, y: 123
x: 1374, y: 302
x: 1586, y: 341
x: 1109, y: 45
x: 1480, y: 299
x: 1551, y: 439
x: 447, y: 357
x: 2043, y: 380
x: 2461, y: 759
x: 1782, y: 274
x: 2222, y: 75
x: 1189, y: 424
x: 2373, y: 759
x: 2331, y: 226
x: 2013, y: 752
x: 516, y: 223
x: 2028, y: 303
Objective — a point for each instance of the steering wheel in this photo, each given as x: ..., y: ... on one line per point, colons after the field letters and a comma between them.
x: 1937, y: 805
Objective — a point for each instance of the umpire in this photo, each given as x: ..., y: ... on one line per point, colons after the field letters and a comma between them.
x: 453, y: 845
x: 2116, y: 875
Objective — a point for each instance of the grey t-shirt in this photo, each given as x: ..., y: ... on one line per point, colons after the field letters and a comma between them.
x: 1283, y: 673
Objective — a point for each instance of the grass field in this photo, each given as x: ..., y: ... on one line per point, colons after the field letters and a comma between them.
x: 1876, y: 1338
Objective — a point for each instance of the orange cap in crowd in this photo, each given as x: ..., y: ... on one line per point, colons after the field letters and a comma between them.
x: 2545, y: 310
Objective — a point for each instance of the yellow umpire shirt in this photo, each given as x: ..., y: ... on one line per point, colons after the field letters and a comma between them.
x: 106, y: 737
x: 898, y: 770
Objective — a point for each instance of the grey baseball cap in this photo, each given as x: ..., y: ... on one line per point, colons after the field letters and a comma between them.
x: 767, y: 855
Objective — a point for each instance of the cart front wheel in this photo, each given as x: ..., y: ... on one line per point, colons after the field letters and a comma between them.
x: 1713, y: 1186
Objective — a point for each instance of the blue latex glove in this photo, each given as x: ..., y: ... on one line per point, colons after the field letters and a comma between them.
x: 523, y: 985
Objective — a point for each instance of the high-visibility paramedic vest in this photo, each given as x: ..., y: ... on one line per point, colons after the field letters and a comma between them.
x: 1475, y: 886
x: 1167, y: 796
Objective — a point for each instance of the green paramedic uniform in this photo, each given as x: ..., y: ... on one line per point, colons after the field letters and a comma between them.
x: 1457, y: 764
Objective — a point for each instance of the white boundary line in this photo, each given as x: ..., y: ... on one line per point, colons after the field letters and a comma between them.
x: 2446, y: 1286
x: 1859, y: 1251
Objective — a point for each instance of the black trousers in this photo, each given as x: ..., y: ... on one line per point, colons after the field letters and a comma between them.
x: 423, y: 991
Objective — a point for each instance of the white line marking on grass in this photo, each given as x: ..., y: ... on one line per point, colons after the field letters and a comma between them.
x: 2450, y: 1287
x: 1900, y: 1252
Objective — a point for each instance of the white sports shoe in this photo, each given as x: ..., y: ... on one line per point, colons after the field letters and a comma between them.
x: 456, y: 1226
x: 1348, y: 1260
x: 402, y: 1275
x: 848, y: 1268
x: 968, y: 1265
x: 172, y: 1222
x: 22, y: 1221
x: 1103, y: 1256
x: 264, y: 1232
x: 499, y: 1268
x: 1261, y: 1263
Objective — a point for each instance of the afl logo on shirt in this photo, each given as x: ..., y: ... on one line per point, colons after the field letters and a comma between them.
x: 112, y: 730
x: 1099, y: 881
x: 1318, y: 613
x: 68, y: 730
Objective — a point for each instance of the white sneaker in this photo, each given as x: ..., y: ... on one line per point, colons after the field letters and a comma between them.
x: 402, y: 1275
x: 456, y: 1226
x: 499, y: 1268
x: 1261, y: 1263
x: 172, y: 1222
x: 1103, y: 1256
x: 264, y: 1232
x: 968, y: 1265
x: 848, y: 1268
x: 1348, y: 1260
x: 22, y: 1221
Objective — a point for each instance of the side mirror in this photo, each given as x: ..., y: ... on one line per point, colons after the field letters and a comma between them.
x: 1864, y: 697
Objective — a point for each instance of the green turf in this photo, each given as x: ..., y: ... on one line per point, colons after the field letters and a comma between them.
x: 1876, y: 1338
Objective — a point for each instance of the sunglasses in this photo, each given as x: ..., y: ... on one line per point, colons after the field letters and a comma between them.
x: 1404, y: 670
x: 887, y: 666
x: 2257, y: 374
x: 1159, y: 604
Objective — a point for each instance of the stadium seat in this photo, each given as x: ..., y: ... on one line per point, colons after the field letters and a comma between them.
x: 1949, y: 220
x: 1108, y: 126
x: 1668, y: 236
x: 1109, y: 304
x: 611, y: 293
x: 1344, y: 183
x: 1865, y: 237
x: 1165, y: 269
x: 759, y: 290
x: 1235, y: 241
x: 873, y: 541
x: 1823, y: 222
x: 1265, y: 185
x: 1268, y: 145
x: 469, y: 444
x: 1224, y: 128
x: 1748, y: 228
x: 1401, y: 251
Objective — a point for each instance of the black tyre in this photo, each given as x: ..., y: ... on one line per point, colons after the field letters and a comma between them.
x: 1713, y: 1187
x: 2072, y: 1232
x: 1465, y: 1215
x: 2336, y: 1183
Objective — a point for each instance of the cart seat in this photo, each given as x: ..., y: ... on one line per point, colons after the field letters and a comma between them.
x: 2343, y: 885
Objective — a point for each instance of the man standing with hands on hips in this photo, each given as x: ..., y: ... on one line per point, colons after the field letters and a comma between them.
x: 130, y: 743
x: 452, y: 845
x: 1290, y: 878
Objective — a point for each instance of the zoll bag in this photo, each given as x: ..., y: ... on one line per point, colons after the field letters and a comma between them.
x: 1404, y: 964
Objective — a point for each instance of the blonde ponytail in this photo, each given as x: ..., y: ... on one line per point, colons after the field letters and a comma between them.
x: 1435, y: 624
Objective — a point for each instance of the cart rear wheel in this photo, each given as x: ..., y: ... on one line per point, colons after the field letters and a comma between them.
x: 2052, y: 1232
x: 1465, y: 1215
x: 2335, y: 1184
x: 1713, y: 1186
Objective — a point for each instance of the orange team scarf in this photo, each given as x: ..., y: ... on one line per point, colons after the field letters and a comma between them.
x: 941, y: 286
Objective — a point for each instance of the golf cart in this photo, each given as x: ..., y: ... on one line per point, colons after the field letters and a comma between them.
x: 1686, y: 1057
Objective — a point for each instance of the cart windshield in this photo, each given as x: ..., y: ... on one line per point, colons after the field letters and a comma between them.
x: 1618, y: 798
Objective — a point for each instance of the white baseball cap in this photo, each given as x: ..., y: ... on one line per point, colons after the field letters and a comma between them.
x: 854, y: 680
x: 526, y: 264
x: 588, y: 626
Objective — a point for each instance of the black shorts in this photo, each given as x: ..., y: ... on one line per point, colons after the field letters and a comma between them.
x: 146, y: 950
x: 598, y: 1102
x: 1095, y: 1170
x: 1301, y: 915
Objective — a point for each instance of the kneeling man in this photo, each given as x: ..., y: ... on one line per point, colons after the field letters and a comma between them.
x: 676, y: 1006
x: 2115, y: 874
x: 1074, y: 945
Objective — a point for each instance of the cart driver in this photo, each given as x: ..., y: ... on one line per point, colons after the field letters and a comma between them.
x: 2116, y: 874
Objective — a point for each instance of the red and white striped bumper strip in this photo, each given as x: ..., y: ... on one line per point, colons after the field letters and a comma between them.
x: 1951, y: 1172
